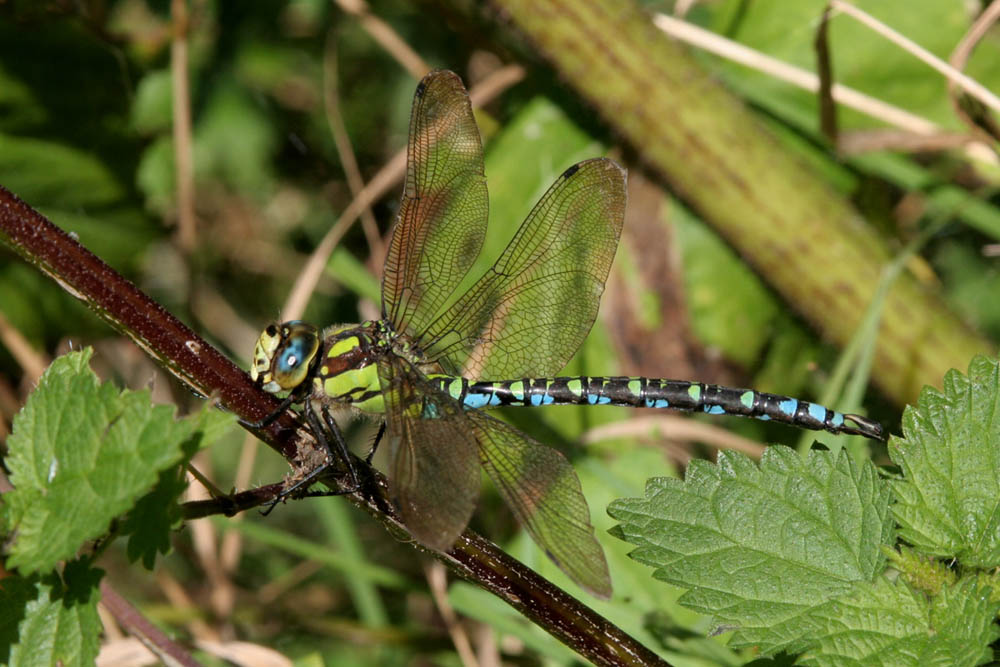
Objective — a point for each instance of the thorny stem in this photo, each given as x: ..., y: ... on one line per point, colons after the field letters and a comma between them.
x: 205, y: 370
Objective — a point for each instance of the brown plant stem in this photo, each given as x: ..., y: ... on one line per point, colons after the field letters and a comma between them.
x: 205, y: 370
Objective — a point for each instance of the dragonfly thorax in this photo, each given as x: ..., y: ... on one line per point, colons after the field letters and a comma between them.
x: 336, y: 365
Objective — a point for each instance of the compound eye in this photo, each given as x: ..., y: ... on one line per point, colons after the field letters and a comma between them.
x: 291, y: 356
x: 294, y: 358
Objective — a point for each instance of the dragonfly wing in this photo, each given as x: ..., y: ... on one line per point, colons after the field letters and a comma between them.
x: 530, y: 312
x: 434, y: 478
x: 543, y: 491
x: 442, y: 218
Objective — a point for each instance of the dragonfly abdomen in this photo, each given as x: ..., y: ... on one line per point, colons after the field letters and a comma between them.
x: 640, y: 392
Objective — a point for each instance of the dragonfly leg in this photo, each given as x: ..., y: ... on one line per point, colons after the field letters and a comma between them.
x: 268, y: 420
x: 323, y: 431
x: 345, y: 455
x: 378, y: 439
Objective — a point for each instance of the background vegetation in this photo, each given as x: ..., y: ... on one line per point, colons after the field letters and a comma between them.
x: 752, y: 249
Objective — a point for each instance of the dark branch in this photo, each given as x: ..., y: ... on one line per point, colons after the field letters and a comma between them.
x: 205, y: 370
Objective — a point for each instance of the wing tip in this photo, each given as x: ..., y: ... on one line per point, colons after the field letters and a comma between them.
x: 597, y: 163
x: 446, y: 76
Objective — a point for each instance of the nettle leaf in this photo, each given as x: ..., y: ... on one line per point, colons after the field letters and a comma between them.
x: 51, y: 619
x: 948, y: 498
x: 80, y: 454
x: 761, y: 547
x: 156, y: 514
x: 891, y: 624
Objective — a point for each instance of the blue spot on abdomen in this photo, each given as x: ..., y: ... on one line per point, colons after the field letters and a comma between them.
x: 476, y: 401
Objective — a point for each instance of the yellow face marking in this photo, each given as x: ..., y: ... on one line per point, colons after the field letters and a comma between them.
x: 263, y: 353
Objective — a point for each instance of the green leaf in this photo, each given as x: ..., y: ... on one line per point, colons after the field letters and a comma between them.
x: 152, y: 110
x: 860, y: 60
x: 730, y: 307
x: 155, y: 174
x: 56, y: 174
x: 21, y: 109
x: 948, y: 499
x: 153, y: 517
x: 51, y: 620
x: 234, y: 141
x: 157, y: 513
x: 970, y: 282
x: 346, y: 269
x: 80, y: 454
x: 922, y: 572
x: 890, y: 624
x: 760, y: 547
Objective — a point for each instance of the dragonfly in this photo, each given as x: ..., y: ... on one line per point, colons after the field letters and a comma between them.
x: 435, y: 362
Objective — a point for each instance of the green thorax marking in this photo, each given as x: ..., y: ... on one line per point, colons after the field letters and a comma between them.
x: 348, y: 369
x: 348, y: 372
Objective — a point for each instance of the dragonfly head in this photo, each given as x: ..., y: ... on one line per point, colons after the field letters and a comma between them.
x: 283, y: 355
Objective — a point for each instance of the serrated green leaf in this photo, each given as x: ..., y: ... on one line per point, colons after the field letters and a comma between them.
x: 890, y: 624
x: 149, y: 523
x: 157, y: 513
x: 948, y: 499
x: 759, y: 547
x: 56, y: 618
x: 963, y: 624
x: 80, y: 453
x: 15, y: 594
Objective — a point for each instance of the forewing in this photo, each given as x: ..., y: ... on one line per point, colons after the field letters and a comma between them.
x: 543, y: 491
x: 442, y: 217
x: 530, y: 312
x: 434, y: 476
